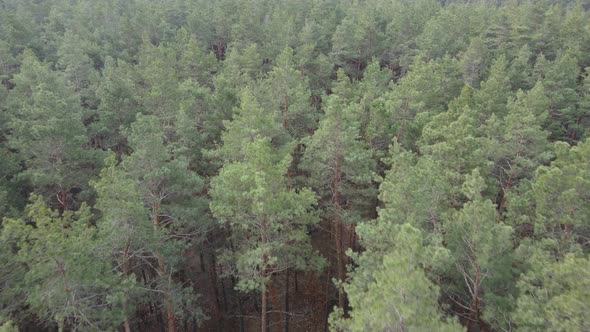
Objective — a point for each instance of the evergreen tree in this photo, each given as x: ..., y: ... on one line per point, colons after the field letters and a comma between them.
x: 481, y: 259
x: 286, y: 92
x: 415, y: 190
x: 340, y: 167
x: 250, y: 122
x: 519, y: 145
x: 393, y: 293
x: 553, y: 295
x: 357, y: 39
x: 65, y: 283
x: 47, y: 131
x: 118, y: 106
x: 424, y: 92
x: 559, y: 80
x: 560, y: 193
x: 267, y: 220
x: 580, y: 124
x: 160, y: 204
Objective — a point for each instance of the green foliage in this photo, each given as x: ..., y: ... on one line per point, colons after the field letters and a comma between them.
x: 423, y: 93
x: 286, y: 92
x: 148, y: 198
x: 48, y: 133
x: 560, y: 194
x: 8, y: 327
x: 480, y: 267
x: 64, y: 281
x: 267, y: 220
x: 554, y: 296
x: 415, y: 190
x: 393, y: 293
x: 335, y: 151
x: 559, y: 80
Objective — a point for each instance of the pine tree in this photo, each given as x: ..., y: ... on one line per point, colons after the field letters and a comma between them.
x: 340, y: 168
x: 521, y: 70
x: 407, y: 21
x: 267, y: 220
x: 193, y: 60
x: 150, y: 198
x: 392, y: 292
x: 481, y: 257
x: 251, y: 121
x: 490, y: 99
x: 578, y: 128
x: 78, y: 67
x: 65, y: 282
x: 357, y: 40
x: 474, y: 62
x: 560, y: 193
x: 118, y: 106
x: 553, y: 293
x: 47, y: 131
x: 424, y: 92
x: 285, y: 91
x: 518, y: 142
x: 559, y: 80
x: 415, y: 190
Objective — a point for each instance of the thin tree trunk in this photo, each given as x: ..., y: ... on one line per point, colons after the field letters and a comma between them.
x: 202, y: 261
x: 339, y: 262
x: 223, y: 293
x: 287, y: 301
x: 338, y: 226
x: 170, y: 319
x: 126, y: 325
x: 264, y: 301
x: 62, y: 200
x: 126, y: 272
x: 213, y: 290
x: 240, y: 310
x: 275, y: 303
x: 327, y: 300
x: 263, y: 310
x: 475, y: 305
x: 505, y: 191
x: 286, y: 112
x: 353, y: 237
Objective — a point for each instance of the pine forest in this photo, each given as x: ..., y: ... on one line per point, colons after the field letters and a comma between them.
x: 294, y: 165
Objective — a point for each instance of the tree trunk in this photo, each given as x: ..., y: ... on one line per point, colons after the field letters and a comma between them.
x: 240, y: 310
x: 338, y: 226
x: 285, y: 112
x: 287, y: 301
x: 264, y: 304
x: 339, y: 262
x: 223, y: 293
x: 475, y: 305
x: 263, y: 310
x: 62, y: 200
x: 505, y: 191
x: 213, y: 289
x: 170, y: 319
x: 126, y: 325
x: 275, y: 304
x: 126, y: 272
x: 327, y: 297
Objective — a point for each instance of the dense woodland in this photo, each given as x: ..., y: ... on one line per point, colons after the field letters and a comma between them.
x: 294, y: 165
